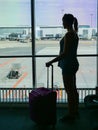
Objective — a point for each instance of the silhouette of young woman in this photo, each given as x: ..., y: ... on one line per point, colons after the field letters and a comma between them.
x: 68, y: 62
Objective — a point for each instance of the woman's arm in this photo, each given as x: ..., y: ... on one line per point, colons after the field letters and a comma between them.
x: 55, y: 59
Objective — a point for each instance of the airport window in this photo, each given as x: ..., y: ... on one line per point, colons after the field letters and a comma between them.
x: 29, y: 36
x: 15, y: 44
x: 49, y: 31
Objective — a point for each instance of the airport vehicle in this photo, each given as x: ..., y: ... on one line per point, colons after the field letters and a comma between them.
x: 14, y: 73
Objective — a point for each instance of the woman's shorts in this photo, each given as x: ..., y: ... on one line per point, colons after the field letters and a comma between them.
x: 69, y: 70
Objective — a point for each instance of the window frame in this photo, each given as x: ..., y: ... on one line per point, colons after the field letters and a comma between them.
x: 34, y: 56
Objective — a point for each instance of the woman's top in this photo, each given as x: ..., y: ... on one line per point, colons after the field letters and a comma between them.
x: 69, y: 64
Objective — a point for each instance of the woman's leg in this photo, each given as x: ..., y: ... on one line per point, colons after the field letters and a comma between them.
x: 70, y: 87
x: 76, y: 96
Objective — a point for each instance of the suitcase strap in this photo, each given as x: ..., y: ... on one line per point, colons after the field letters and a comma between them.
x: 51, y: 77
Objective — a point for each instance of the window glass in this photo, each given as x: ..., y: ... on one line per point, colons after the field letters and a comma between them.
x: 49, y: 31
x: 15, y: 27
x: 15, y: 40
x: 15, y: 72
x: 86, y: 75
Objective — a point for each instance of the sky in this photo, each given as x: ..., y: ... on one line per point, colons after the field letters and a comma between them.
x: 47, y: 12
x: 50, y: 12
x: 15, y: 13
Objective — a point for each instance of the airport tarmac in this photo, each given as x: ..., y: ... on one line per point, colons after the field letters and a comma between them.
x: 52, y: 48
x: 11, y: 44
x: 86, y: 76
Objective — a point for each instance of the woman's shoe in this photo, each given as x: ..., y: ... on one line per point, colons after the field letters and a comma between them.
x: 67, y: 119
x: 70, y: 118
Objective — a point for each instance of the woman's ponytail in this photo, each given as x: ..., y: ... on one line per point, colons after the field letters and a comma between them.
x: 75, y: 24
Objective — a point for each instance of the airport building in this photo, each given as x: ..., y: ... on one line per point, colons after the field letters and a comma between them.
x: 55, y: 32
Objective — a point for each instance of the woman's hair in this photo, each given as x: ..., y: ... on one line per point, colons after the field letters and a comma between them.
x: 71, y: 20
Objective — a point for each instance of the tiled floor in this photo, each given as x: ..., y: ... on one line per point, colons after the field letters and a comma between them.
x: 18, y: 119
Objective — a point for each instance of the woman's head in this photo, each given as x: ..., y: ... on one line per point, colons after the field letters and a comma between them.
x: 69, y: 20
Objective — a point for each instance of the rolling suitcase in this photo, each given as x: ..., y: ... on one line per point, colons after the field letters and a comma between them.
x: 42, y: 104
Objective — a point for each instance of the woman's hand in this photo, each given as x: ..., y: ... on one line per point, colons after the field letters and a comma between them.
x: 48, y: 64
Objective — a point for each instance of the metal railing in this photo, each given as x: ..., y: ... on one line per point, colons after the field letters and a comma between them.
x: 20, y: 95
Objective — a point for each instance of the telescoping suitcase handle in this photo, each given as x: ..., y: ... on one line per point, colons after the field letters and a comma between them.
x: 51, y: 77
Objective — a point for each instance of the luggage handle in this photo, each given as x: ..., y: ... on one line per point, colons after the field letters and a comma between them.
x: 51, y: 77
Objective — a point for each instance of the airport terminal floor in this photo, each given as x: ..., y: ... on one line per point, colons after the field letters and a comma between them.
x: 17, y: 118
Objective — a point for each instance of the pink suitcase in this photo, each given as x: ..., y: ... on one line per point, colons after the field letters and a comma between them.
x: 42, y: 104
